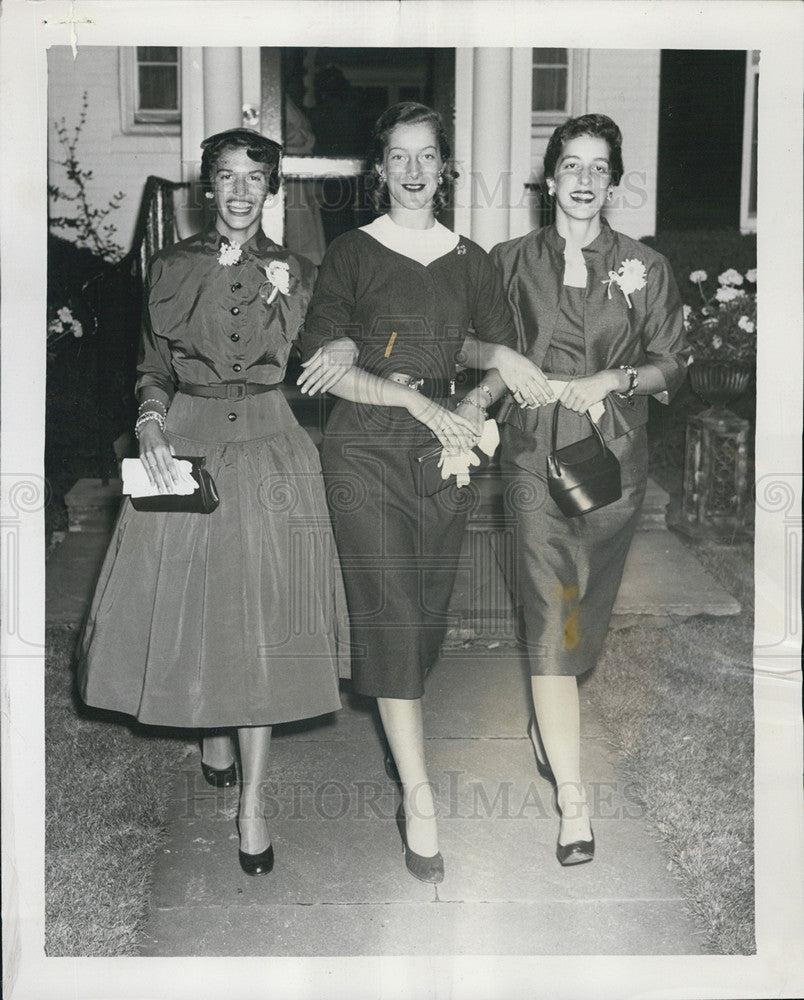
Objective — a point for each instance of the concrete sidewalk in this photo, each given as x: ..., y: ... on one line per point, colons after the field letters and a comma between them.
x: 340, y: 886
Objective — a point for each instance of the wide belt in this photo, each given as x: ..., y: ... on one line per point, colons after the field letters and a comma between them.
x: 435, y: 388
x: 226, y: 390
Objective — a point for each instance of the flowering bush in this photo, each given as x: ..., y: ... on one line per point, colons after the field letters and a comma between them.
x: 724, y: 327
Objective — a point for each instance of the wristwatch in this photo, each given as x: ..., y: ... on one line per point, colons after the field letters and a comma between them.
x: 633, y: 376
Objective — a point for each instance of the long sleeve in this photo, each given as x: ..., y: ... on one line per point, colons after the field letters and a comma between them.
x: 154, y: 367
x: 491, y: 317
x: 663, y: 337
x: 329, y: 314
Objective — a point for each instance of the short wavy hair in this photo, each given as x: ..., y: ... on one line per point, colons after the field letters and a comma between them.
x: 408, y: 113
x: 259, y: 148
x: 596, y: 126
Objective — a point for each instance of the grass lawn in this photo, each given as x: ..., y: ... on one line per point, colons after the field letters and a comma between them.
x: 107, y: 789
x: 678, y: 706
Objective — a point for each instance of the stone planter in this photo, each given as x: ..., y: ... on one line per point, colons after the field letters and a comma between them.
x: 715, y: 500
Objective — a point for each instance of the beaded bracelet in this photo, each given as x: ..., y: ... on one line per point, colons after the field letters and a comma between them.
x: 152, y: 402
x: 633, y: 377
x: 486, y: 389
x: 472, y: 402
x: 148, y: 415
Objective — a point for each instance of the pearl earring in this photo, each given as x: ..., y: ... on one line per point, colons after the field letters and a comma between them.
x: 209, y: 194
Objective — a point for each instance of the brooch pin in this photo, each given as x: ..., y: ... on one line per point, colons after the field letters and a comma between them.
x: 229, y: 253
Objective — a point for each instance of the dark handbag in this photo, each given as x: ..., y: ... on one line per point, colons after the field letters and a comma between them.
x: 424, y: 461
x: 584, y: 475
x: 202, y: 501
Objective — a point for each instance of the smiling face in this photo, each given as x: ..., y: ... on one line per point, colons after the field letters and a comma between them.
x: 240, y: 187
x: 411, y: 165
x: 582, y: 179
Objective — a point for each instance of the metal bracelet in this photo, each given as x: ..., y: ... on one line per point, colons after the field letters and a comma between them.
x: 472, y: 402
x: 486, y: 389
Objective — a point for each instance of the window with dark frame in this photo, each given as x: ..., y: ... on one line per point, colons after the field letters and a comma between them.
x: 551, y: 82
x: 157, y: 85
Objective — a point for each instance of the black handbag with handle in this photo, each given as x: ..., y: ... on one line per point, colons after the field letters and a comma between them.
x: 203, y: 500
x: 584, y: 475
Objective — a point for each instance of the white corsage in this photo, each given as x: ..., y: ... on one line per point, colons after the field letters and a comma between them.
x: 630, y: 277
x: 278, y: 275
x: 229, y: 253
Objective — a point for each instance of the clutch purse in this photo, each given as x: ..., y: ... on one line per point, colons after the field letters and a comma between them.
x: 427, y: 477
x: 203, y: 500
x: 584, y: 475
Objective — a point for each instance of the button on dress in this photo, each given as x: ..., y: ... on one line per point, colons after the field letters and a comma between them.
x: 399, y: 551
x: 237, y: 617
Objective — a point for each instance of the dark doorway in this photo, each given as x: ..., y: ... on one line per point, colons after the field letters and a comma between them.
x: 341, y: 92
x: 700, y: 139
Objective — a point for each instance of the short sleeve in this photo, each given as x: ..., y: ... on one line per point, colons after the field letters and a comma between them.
x: 491, y: 315
x: 329, y: 315
x: 663, y: 337
x: 154, y: 367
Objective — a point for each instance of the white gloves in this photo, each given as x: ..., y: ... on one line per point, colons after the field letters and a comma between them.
x: 458, y: 465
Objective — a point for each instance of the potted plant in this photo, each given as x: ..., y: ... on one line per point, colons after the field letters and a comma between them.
x: 722, y: 335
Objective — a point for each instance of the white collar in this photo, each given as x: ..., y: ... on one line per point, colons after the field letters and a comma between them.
x: 421, y: 245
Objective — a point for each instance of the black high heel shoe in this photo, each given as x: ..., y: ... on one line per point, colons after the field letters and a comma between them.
x: 579, y: 852
x: 225, y: 777
x: 256, y: 864
x: 424, y: 869
x: 542, y: 766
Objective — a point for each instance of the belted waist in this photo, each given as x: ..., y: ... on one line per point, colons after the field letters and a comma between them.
x: 226, y: 390
x: 435, y: 388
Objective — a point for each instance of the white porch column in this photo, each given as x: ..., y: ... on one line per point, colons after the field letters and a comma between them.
x: 491, y: 146
x: 223, y: 89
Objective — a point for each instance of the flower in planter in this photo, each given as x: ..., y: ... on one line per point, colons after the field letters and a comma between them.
x: 730, y: 277
x: 723, y: 327
x: 62, y: 324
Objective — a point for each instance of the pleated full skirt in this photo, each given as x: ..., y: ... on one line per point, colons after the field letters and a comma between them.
x: 233, y: 618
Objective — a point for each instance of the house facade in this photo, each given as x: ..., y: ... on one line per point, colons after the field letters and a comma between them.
x: 148, y: 109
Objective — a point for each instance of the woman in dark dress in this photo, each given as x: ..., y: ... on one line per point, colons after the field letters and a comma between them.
x: 404, y: 290
x: 195, y: 619
x: 600, y: 314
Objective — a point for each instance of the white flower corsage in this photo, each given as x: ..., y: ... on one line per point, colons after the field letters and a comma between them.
x: 278, y: 275
x: 630, y: 277
x: 229, y: 253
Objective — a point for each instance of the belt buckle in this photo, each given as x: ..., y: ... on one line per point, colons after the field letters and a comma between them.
x: 236, y: 390
x: 415, y: 383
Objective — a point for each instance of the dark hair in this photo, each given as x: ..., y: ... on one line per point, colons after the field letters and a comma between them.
x: 258, y: 147
x: 408, y: 113
x: 596, y: 126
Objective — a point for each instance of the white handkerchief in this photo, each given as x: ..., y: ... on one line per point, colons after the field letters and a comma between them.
x: 137, y: 484
x: 596, y: 410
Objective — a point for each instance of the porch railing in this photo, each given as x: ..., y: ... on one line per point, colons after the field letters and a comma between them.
x: 115, y: 296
